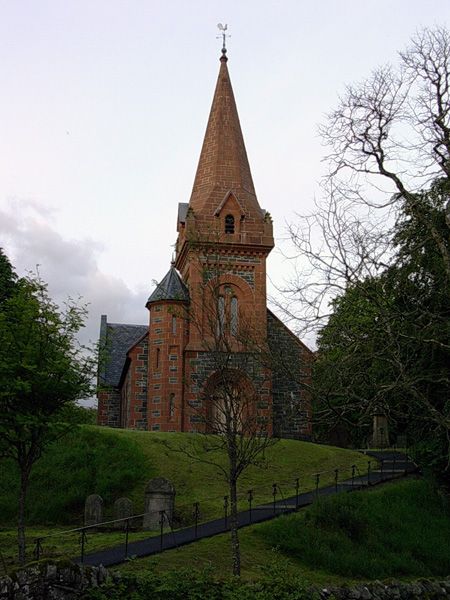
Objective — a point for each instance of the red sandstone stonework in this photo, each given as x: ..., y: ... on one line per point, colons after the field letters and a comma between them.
x: 224, y: 238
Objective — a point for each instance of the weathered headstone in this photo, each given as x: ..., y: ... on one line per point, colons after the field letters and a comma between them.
x: 123, y: 508
x: 159, y: 495
x: 93, y: 510
x: 380, y: 433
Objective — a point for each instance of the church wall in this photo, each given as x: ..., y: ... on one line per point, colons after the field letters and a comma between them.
x: 200, y: 366
x: 291, y: 375
x: 167, y: 340
x: 108, y: 407
x: 244, y: 270
x: 134, y: 388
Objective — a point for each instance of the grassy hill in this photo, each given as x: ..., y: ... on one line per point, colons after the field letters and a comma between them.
x: 401, y: 530
x: 114, y: 463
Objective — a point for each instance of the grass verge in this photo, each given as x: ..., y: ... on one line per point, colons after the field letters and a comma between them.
x: 401, y: 529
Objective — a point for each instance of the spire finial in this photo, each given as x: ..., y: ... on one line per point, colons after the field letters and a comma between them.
x: 223, y: 35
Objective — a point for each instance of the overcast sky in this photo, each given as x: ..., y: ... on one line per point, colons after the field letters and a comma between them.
x: 103, y: 108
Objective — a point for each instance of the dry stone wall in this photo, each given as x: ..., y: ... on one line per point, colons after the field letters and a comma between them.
x: 69, y: 581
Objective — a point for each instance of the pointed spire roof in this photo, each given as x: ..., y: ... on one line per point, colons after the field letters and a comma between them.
x: 170, y: 288
x: 223, y: 164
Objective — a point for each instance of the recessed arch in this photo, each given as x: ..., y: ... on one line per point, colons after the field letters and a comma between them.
x: 230, y: 400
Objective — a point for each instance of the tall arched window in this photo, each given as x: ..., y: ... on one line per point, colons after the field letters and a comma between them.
x: 229, y: 224
x: 234, y: 316
x: 174, y: 325
x: 220, y: 315
x: 172, y: 405
x: 157, y: 357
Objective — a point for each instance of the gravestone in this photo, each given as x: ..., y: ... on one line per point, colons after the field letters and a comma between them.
x: 93, y: 510
x: 380, y: 433
x: 159, y: 495
x: 123, y: 508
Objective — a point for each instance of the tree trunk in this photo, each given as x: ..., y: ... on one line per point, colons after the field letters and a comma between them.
x: 24, y: 475
x: 235, y: 549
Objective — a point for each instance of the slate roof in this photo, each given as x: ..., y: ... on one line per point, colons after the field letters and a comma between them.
x: 170, y: 288
x: 115, y: 341
x: 182, y: 211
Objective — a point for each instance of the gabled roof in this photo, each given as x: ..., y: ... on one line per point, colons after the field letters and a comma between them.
x: 115, y: 341
x: 275, y: 323
x: 223, y: 163
x: 170, y: 288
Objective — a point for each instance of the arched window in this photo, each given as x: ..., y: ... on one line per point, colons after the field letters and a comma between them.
x: 234, y: 316
x: 220, y: 315
x: 172, y: 405
x: 174, y: 325
x: 229, y: 224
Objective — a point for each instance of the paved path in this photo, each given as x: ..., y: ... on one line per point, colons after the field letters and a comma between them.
x: 395, y: 464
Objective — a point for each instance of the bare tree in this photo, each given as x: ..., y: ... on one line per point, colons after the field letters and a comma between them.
x: 388, y: 140
x: 376, y: 249
x: 233, y: 412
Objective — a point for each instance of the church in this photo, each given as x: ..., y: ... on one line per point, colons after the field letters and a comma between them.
x: 211, y: 342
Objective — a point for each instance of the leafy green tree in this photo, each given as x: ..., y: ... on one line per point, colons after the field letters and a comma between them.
x: 8, y: 277
x: 387, y: 344
x: 43, y: 369
x: 375, y: 254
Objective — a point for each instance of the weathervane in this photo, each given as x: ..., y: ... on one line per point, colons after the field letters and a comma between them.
x: 223, y: 35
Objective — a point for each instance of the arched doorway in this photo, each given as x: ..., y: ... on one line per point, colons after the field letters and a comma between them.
x: 230, y: 400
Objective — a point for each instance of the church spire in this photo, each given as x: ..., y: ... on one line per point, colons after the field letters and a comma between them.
x: 223, y: 164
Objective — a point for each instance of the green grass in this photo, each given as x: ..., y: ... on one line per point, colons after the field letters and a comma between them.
x: 401, y: 529
x: 214, y: 553
x: 82, y: 463
x: 199, y: 482
x: 117, y: 462
x: 114, y: 463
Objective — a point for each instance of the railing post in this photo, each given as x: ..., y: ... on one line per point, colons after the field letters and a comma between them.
x: 196, y: 515
x: 368, y: 471
x: 317, y: 485
x: 83, y: 543
x: 393, y: 465
x: 225, y: 510
x: 38, y: 548
x: 250, y: 498
x: 161, y: 528
x: 297, y: 490
x: 353, y: 475
x: 127, y: 531
x: 336, y: 476
x: 274, y: 494
x: 382, y: 469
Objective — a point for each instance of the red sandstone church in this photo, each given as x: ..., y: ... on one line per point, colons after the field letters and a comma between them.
x: 209, y: 316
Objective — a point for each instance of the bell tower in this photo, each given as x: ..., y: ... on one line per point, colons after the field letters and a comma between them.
x: 224, y: 237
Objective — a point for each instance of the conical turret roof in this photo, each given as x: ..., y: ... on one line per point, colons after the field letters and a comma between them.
x: 223, y: 164
x: 170, y: 288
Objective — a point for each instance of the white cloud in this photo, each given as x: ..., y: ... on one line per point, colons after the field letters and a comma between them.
x: 69, y: 266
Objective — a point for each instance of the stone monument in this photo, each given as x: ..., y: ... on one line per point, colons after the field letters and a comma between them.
x: 159, y: 495
x: 93, y: 510
x: 123, y: 508
x: 380, y: 433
